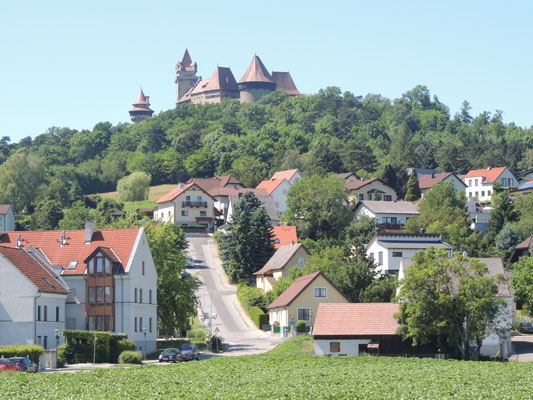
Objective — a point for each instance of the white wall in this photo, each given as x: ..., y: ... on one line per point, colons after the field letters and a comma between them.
x: 279, y: 195
x: 484, y: 191
x: 75, y: 307
x: 165, y: 212
x: 349, y: 347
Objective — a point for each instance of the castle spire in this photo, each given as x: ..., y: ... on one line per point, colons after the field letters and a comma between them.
x: 141, y: 108
x: 186, y: 58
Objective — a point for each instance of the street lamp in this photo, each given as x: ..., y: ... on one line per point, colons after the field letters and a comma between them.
x: 57, y: 331
x: 144, y: 331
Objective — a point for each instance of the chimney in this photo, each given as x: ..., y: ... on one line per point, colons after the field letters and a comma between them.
x: 488, y: 168
x: 19, y: 240
x: 180, y: 185
x: 89, y: 231
x: 63, y: 239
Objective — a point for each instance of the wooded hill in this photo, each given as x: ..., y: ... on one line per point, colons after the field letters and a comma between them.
x: 326, y: 132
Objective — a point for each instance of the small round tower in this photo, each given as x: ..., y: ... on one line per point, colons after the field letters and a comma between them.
x: 141, y: 108
x: 256, y: 82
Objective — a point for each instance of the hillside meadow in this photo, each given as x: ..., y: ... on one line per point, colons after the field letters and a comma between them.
x: 285, y: 374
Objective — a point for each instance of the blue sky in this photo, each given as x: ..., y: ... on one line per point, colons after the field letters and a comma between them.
x: 68, y: 64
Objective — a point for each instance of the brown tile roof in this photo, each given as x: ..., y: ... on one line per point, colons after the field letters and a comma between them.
x: 4, y: 208
x: 354, y: 185
x: 356, y: 319
x: 35, y: 270
x: 427, y: 181
x: 285, y: 235
x: 121, y: 241
x: 187, y: 62
x: 222, y: 79
x: 284, y: 82
x: 489, y: 175
x: 270, y: 185
x: 345, y: 175
x: 229, y: 180
x: 280, y: 258
x: 294, y: 290
x: 526, y: 244
x: 256, y: 72
x: 174, y: 193
x: 287, y: 174
x: 141, y: 99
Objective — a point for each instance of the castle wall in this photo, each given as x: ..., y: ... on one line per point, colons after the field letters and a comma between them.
x: 250, y: 95
x: 185, y: 80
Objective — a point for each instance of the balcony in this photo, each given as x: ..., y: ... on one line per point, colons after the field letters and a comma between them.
x: 194, y: 204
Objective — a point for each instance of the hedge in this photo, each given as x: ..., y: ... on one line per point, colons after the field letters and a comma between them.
x: 301, y: 326
x: 80, y: 346
x: 250, y: 296
x: 17, y: 350
x: 131, y: 357
x: 117, y: 346
x: 258, y: 316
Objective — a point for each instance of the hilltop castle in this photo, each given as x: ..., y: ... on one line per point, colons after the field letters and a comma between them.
x: 141, y: 108
x: 255, y: 83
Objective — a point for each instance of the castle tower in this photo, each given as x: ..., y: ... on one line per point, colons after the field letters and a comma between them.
x: 186, y: 77
x: 141, y: 108
x: 256, y: 82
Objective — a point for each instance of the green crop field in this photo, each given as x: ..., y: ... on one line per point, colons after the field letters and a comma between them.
x: 284, y: 375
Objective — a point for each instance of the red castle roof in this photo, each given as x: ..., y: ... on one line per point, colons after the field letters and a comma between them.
x: 256, y: 72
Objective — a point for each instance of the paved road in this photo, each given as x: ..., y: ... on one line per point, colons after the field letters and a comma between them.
x: 522, y: 348
x: 218, y: 296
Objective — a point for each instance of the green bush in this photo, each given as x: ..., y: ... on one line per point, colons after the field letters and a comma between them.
x: 301, y: 326
x: 80, y: 346
x: 258, y: 316
x: 250, y: 297
x: 197, y: 334
x: 119, y: 345
x: 216, y: 343
x: 130, y: 357
x: 62, y: 355
x: 18, y: 350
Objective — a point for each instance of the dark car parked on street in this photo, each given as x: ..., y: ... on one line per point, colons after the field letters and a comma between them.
x: 7, y: 365
x: 24, y: 364
x: 189, y: 352
x: 170, y: 355
x: 525, y: 327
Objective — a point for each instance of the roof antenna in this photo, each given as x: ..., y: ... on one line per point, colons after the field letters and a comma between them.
x: 19, y: 240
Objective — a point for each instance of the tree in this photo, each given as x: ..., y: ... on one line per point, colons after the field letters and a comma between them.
x: 248, y: 245
x: 249, y: 170
x: 359, y: 232
x: 503, y: 212
x: 413, y: 188
x: 134, y: 187
x: 318, y: 207
x: 47, y: 215
x: 506, y: 241
x: 454, y: 299
x: 523, y: 283
x: 76, y: 216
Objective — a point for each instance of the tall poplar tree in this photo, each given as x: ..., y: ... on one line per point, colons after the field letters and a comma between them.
x: 413, y: 188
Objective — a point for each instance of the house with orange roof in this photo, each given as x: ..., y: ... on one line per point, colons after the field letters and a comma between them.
x: 480, y: 182
x: 32, y: 298
x: 300, y: 301
x: 284, y: 235
x: 187, y: 205
x: 110, y: 274
x: 277, y: 189
x: 291, y: 175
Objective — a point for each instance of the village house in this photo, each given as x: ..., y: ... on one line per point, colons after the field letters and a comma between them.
x: 524, y: 189
x: 426, y: 182
x: 526, y: 177
x: 389, y: 214
x: 110, y: 273
x: 421, y: 171
x: 300, y: 301
x: 347, y: 176
x: 523, y: 249
x: 291, y: 175
x: 279, y: 265
x: 478, y: 215
x: 266, y: 202
x: 32, y: 299
x: 277, y: 189
x: 388, y: 248
x: 284, y: 235
x: 370, y: 189
x: 7, y: 218
x: 480, y: 182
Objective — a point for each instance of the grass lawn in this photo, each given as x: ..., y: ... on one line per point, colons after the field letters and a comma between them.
x: 155, y: 193
x: 285, y: 373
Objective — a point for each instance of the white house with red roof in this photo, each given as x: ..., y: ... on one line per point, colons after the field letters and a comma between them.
x: 277, y: 189
x: 110, y: 273
x: 480, y: 182
x: 32, y: 299
x: 284, y: 235
x: 426, y: 182
x: 291, y: 175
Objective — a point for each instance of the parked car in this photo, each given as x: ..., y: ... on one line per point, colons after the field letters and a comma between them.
x: 189, y: 352
x: 525, y: 327
x: 189, y: 262
x: 7, y: 365
x: 170, y: 355
x: 24, y: 364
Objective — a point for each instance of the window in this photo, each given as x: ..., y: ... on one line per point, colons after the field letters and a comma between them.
x: 99, y: 323
x: 72, y: 264
x: 301, y: 261
x: 198, y: 198
x: 387, y: 197
x: 45, y: 342
x: 482, y: 193
x: 99, y: 294
x: 334, y: 347
x: 107, y: 266
x: 135, y: 296
x: 107, y: 323
x: 489, y: 192
x: 470, y: 182
x: 304, y: 314
x: 143, y: 267
x: 38, y: 313
x: 135, y: 323
x: 378, y: 196
x: 99, y: 265
x: 276, y: 241
x: 45, y: 313
x: 371, y: 256
x: 150, y: 325
x: 475, y: 182
x: 140, y: 295
x: 470, y: 195
x: 91, y: 268
x: 91, y: 294
x: 380, y: 258
x: 397, y: 254
x: 187, y: 198
x: 107, y: 294
x: 38, y: 340
x: 203, y: 213
x: 477, y: 194
x: 150, y: 296
x: 184, y: 213
x: 57, y: 314
x: 369, y: 196
x: 361, y: 196
x: 389, y: 220
x: 320, y: 292
x: 91, y: 323
x: 140, y: 324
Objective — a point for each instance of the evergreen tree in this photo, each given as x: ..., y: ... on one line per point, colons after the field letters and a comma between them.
x: 506, y: 241
x: 503, y: 212
x: 413, y: 188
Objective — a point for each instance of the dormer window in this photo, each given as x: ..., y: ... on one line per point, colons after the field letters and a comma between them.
x: 99, y: 261
x: 72, y: 264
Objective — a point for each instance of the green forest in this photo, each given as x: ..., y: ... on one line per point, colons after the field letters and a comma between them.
x: 326, y: 132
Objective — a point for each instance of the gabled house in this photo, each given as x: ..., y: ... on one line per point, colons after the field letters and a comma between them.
x: 347, y: 176
x: 267, y: 203
x: 7, y: 218
x: 300, y: 301
x: 389, y: 214
x: 478, y: 216
x: 188, y: 204
x: 279, y: 265
x: 32, y: 299
x: 370, y: 189
x: 291, y: 175
x: 526, y: 177
x: 523, y: 249
x: 110, y: 273
x: 497, y: 340
x: 284, y: 235
x: 277, y: 189
x: 480, y: 182
x: 388, y: 248
x: 421, y: 171
x: 524, y: 189
x: 426, y: 182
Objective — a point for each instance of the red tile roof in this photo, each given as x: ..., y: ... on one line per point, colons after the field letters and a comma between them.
x: 356, y: 319
x: 287, y: 174
x: 141, y: 99
x: 427, y: 181
x: 270, y: 185
x: 39, y: 274
x: 285, y: 235
x: 294, y: 290
x: 174, y: 193
x: 256, y: 72
x: 489, y: 175
x: 121, y: 241
x: 187, y: 62
x: 284, y: 82
x: 222, y: 79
